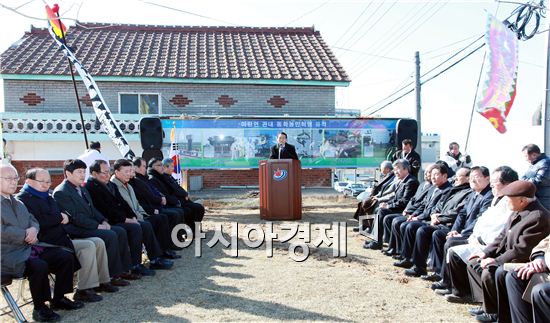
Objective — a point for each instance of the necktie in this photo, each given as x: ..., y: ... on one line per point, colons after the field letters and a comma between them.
x: 281, y: 147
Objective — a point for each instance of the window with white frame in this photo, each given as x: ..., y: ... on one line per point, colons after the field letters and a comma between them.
x: 139, y: 103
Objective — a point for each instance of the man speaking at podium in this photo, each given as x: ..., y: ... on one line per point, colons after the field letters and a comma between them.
x: 283, y: 150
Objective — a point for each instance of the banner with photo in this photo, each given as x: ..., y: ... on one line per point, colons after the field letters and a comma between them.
x: 242, y: 143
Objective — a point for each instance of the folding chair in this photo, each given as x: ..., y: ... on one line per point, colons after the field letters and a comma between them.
x: 12, y: 303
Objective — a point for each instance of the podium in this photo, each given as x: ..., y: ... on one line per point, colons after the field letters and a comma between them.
x: 280, y: 189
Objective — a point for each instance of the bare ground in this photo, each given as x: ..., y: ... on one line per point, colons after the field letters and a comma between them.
x: 361, y: 287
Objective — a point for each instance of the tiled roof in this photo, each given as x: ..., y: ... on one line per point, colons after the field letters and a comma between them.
x: 194, y: 52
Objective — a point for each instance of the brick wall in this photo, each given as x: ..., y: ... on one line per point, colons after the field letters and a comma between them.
x: 211, y: 178
x: 242, y: 177
x: 58, y: 96
x: 55, y: 167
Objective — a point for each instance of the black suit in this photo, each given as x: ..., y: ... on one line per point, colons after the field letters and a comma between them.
x: 84, y: 220
x: 404, y: 192
x: 150, y: 199
x: 176, y: 196
x: 108, y: 200
x: 287, y: 151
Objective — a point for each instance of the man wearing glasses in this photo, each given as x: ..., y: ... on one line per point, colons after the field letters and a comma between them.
x: 91, y: 253
x: 22, y: 257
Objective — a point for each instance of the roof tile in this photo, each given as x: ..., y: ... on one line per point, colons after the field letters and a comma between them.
x: 180, y: 51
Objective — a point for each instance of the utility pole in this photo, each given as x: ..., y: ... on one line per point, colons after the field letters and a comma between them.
x: 546, y: 115
x: 418, y: 105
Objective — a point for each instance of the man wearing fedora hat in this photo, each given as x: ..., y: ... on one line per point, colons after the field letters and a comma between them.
x: 526, y: 227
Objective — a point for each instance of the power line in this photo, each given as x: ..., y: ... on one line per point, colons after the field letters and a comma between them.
x: 374, y: 23
x: 395, y: 33
x: 426, y: 81
x: 405, y: 36
x: 189, y: 13
x: 363, y: 24
x: 448, y: 45
x: 370, y: 54
x: 354, y: 22
x: 307, y: 13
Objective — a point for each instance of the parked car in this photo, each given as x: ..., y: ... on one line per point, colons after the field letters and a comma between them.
x: 340, y: 186
x: 354, y: 189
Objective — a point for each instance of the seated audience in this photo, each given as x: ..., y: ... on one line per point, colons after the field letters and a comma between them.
x: 405, y: 189
x: 525, y: 228
x: 440, y: 186
x: 86, y: 221
x: 108, y: 200
x: 486, y: 229
x: 527, y: 287
x: 382, y: 191
x: 90, y: 252
x: 149, y: 197
x: 22, y: 254
x: 124, y: 170
x: 442, y: 218
x: 392, y: 222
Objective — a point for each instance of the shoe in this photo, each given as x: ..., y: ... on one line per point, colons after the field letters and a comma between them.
x: 117, y: 281
x: 439, y: 285
x: 66, y: 304
x: 161, y: 264
x: 444, y: 291
x: 169, y: 254
x: 415, y: 272
x: 86, y: 296
x: 143, y: 271
x: 107, y: 288
x: 452, y: 298
x: 405, y: 263
x: 372, y: 245
x: 432, y: 277
x: 45, y: 314
x: 486, y: 317
x: 130, y: 276
x: 390, y: 252
x: 474, y: 311
x: 397, y: 257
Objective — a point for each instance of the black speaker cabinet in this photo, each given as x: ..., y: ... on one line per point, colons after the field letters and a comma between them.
x: 406, y: 129
x: 151, y: 153
x: 150, y: 133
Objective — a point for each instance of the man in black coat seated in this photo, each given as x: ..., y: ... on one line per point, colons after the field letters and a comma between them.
x: 404, y: 192
x: 109, y: 202
x: 392, y: 222
x: 417, y: 220
x: 149, y: 197
x: 442, y: 218
x: 283, y: 150
x: 160, y: 175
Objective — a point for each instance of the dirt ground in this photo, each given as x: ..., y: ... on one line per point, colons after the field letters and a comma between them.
x: 361, y: 287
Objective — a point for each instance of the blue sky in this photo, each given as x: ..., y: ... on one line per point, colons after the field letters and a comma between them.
x: 393, y: 29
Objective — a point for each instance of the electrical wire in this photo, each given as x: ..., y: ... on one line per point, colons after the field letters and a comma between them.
x: 397, y: 43
x: 424, y: 82
x: 307, y: 13
x: 354, y: 22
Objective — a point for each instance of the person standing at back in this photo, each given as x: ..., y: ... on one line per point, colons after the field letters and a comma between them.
x: 455, y: 159
x: 91, y: 155
x: 538, y: 173
x: 407, y: 152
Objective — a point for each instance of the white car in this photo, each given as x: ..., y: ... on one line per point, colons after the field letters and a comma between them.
x: 340, y: 186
